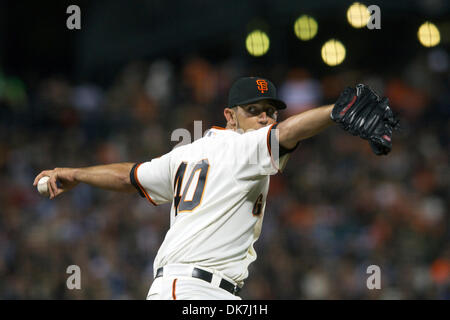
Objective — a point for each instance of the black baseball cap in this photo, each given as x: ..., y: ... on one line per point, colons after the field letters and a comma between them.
x: 252, y: 89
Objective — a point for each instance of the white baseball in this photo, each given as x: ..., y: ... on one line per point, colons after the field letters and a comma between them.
x: 43, y: 187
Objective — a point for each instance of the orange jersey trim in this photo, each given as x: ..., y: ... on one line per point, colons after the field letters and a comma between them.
x: 268, y: 136
x: 174, y: 285
x: 141, y: 187
x: 218, y: 128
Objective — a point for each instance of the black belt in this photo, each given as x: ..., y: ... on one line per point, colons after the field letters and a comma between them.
x: 207, y: 276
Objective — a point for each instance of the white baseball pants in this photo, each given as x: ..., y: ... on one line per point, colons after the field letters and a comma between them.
x: 178, y: 284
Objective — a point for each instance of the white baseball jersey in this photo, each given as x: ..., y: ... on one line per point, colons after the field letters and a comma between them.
x: 218, y: 186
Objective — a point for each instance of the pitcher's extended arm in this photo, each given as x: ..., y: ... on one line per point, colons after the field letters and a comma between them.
x: 114, y: 177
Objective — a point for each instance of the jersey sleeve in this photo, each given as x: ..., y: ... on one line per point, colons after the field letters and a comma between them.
x: 258, y: 153
x: 152, y: 180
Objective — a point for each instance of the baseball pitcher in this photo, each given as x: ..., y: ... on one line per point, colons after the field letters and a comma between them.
x: 218, y: 184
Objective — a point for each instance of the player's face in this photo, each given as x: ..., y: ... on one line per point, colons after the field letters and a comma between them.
x: 256, y: 115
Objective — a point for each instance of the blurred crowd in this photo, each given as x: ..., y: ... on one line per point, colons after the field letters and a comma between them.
x: 336, y: 210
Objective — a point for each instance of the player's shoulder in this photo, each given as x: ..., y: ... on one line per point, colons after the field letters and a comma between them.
x: 217, y: 141
x: 214, y: 141
x: 236, y: 134
x: 216, y: 131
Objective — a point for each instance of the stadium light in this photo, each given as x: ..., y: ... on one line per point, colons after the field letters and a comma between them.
x: 333, y: 52
x: 305, y: 27
x: 358, y: 15
x: 257, y: 43
x: 428, y: 34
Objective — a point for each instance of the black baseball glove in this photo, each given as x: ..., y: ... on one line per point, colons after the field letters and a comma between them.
x: 361, y: 112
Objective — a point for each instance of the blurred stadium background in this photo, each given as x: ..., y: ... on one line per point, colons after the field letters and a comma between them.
x: 116, y: 89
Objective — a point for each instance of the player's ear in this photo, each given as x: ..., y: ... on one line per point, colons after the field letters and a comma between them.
x: 230, y: 115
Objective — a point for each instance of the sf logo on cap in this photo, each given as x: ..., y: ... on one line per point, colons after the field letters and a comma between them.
x: 262, y: 85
